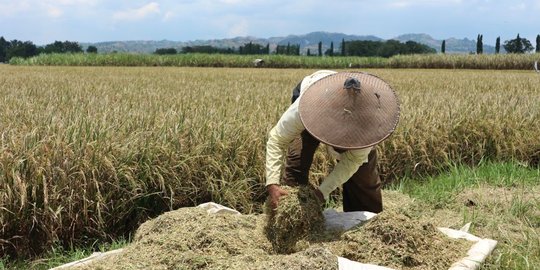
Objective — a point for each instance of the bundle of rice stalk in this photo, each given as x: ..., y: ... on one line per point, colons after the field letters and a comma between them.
x: 297, y: 215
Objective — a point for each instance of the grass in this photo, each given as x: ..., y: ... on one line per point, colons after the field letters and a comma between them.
x: 199, y: 60
x: 96, y: 151
x: 438, y: 190
x: 501, y: 200
x: 58, y: 256
x: 446, y: 61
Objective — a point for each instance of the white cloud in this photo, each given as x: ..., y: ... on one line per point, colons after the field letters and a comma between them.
x: 75, y: 2
x: 57, y: 8
x: 168, y: 16
x: 49, y: 8
x: 11, y: 8
x: 240, y: 28
x: 54, y: 12
x: 518, y: 6
x: 409, y: 3
x: 235, y: 2
x: 399, y: 4
x: 230, y: 1
x: 137, y: 13
x: 207, y: 19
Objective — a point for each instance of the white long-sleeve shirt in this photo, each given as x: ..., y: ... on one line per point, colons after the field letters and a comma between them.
x: 290, y: 127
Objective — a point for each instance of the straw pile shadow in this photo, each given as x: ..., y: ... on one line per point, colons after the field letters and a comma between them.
x: 190, y: 238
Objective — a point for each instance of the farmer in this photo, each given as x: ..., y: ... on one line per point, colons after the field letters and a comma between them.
x: 349, y: 112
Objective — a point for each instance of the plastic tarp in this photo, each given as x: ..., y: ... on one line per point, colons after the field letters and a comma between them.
x: 345, y: 221
x: 474, y: 258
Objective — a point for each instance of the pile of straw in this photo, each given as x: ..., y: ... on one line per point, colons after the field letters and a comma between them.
x: 289, y: 237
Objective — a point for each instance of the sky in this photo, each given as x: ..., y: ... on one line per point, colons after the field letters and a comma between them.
x: 45, y: 21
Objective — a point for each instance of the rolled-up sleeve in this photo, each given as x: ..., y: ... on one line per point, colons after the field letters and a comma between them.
x: 349, y: 163
x: 286, y: 130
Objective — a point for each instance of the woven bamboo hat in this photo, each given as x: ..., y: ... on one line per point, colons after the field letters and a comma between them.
x: 349, y: 110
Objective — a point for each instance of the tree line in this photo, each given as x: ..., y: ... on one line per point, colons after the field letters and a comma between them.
x: 516, y: 45
x: 18, y: 48
x: 248, y: 48
x: 347, y: 48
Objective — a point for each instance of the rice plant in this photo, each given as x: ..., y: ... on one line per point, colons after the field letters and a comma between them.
x: 446, y: 61
x: 89, y: 153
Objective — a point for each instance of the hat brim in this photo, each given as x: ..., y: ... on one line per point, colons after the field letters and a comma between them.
x: 347, y: 118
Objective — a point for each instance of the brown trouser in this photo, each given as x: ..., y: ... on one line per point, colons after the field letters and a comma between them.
x: 362, y: 192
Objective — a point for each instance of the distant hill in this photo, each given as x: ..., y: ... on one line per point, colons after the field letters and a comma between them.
x: 325, y: 37
x: 453, y: 45
x: 307, y: 41
x: 311, y: 40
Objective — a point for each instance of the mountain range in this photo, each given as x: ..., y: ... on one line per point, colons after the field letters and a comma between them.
x: 306, y: 41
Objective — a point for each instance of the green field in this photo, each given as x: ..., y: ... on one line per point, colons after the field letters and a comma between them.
x: 429, y: 61
x: 88, y: 153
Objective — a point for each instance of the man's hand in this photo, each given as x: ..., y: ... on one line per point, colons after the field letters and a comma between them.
x: 275, y: 192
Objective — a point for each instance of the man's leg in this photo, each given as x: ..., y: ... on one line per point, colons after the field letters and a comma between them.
x: 299, y: 159
x: 362, y: 192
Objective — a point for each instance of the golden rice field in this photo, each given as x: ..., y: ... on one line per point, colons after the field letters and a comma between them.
x: 90, y: 152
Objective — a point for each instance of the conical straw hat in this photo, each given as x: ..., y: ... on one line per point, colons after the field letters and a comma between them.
x: 349, y: 110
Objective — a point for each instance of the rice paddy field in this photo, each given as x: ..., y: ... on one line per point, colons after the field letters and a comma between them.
x: 90, y: 153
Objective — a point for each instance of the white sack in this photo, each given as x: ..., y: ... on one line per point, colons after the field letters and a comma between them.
x: 345, y: 220
x: 346, y: 264
x: 214, y: 208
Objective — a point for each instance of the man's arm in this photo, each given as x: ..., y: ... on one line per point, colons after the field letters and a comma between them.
x: 286, y: 130
x: 349, y: 163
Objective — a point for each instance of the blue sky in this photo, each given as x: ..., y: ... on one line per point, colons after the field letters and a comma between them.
x: 44, y: 21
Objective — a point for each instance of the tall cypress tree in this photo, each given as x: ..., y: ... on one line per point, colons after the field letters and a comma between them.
x: 3, y: 49
x: 320, y: 48
x: 519, y: 43
x: 331, y: 53
x: 343, y: 47
x: 479, y: 45
x: 498, y: 45
x: 443, y: 46
x: 537, y: 43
